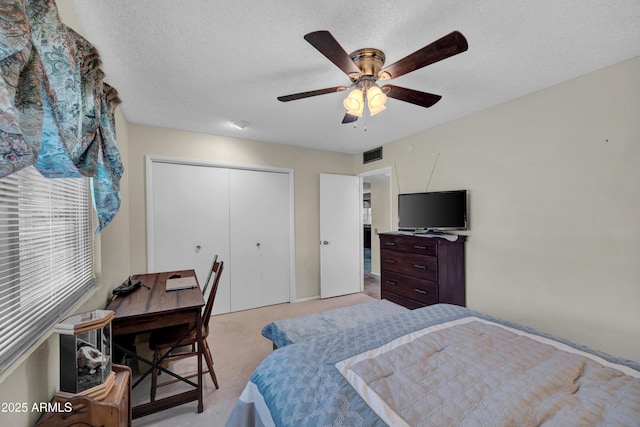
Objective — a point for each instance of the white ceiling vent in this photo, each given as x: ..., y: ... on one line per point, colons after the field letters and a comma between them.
x: 372, y: 155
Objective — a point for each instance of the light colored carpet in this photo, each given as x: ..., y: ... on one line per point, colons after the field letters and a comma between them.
x: 237, y: 347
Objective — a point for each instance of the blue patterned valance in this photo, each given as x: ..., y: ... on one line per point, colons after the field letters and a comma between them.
x: 56, y: 112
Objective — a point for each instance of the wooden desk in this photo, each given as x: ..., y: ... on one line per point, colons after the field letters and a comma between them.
x: 151, y: 307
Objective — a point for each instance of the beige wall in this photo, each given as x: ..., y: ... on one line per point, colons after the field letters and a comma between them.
x: 306, y: 164
x: 554, y: 183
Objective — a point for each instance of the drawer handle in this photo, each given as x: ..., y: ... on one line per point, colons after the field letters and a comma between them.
x: 390, y: 261
x: 421, y: 267
x: 420, y: 247
x: 390, y: 243
x: 391, y: 282
x: 420, y: 291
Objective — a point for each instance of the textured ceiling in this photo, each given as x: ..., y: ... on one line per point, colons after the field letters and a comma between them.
x: 200, y: 65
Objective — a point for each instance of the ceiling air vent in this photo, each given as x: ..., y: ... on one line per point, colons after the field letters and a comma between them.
x: 372, y: 155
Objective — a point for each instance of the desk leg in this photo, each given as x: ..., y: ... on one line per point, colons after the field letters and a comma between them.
x: 199, y: 338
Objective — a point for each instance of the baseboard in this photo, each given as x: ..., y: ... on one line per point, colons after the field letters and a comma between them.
x: 307, y: 299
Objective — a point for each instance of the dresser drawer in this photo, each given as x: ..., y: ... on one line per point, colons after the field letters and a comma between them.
x: 418, y: 245
x: 414, y: 265
x: 420, y: 290
x: 405, y: 302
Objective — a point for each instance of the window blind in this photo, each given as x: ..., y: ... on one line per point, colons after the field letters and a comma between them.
x: 46, y: 255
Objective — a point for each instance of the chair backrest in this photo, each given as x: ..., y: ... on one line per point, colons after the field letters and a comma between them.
x: 208, y: 308
x: 206, y: 282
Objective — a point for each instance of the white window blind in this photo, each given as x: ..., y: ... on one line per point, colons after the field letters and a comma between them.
x: 46, y: 255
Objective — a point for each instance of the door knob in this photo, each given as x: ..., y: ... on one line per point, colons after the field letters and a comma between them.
x: 324, y: 242
x: 198, y: 248
x: 258, y: 244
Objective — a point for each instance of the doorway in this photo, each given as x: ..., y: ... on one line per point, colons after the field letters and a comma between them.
x: 376, y: 218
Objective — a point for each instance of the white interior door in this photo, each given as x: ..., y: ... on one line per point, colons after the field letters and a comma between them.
x: 340, y: 235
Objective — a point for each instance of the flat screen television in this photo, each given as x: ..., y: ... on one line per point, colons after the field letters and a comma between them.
x: 433, y: 211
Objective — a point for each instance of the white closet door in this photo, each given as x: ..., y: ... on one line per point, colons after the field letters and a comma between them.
x: 173, y: 228
x: 275, y: 238
x: 191, y: 221
x: 211, y: 223
x: 241, y: 215
x: 245, y: 242
x: 259, y: 244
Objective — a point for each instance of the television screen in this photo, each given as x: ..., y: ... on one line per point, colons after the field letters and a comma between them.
x: 442, y: 210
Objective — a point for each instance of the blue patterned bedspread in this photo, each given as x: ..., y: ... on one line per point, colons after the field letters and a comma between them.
x: 299, y: 385
x: 296, y: 329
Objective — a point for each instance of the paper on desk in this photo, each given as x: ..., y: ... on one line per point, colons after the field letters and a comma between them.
x: 181, y: 283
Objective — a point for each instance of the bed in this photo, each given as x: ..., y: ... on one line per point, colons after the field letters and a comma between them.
x: 441, y: 365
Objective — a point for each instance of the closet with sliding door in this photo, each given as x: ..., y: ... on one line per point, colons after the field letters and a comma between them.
x: 197, y: 210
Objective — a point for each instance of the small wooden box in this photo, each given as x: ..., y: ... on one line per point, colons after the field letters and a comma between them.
x: 113, y: 410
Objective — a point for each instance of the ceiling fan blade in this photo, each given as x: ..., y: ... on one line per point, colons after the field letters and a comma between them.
x: 423, y: 99
x: 349, y: 118
x: 449, y: 45
x: 301, y: 95
x: 329, y: 47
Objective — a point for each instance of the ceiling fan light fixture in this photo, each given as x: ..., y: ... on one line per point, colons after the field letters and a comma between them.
x: 354, y: 102
x: 375, y: 99
x: 374, y: 111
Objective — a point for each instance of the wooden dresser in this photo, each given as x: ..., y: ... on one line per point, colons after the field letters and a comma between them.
x: 419, y: 270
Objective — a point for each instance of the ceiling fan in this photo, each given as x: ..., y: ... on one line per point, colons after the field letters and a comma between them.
x: 365, y: 68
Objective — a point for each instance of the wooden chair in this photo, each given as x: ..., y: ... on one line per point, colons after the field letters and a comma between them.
x: 205, y: 295
x: 211, y: 271
x: 161, y: 340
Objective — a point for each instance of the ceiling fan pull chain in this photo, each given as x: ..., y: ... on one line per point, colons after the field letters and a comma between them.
x: 365, y: 109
